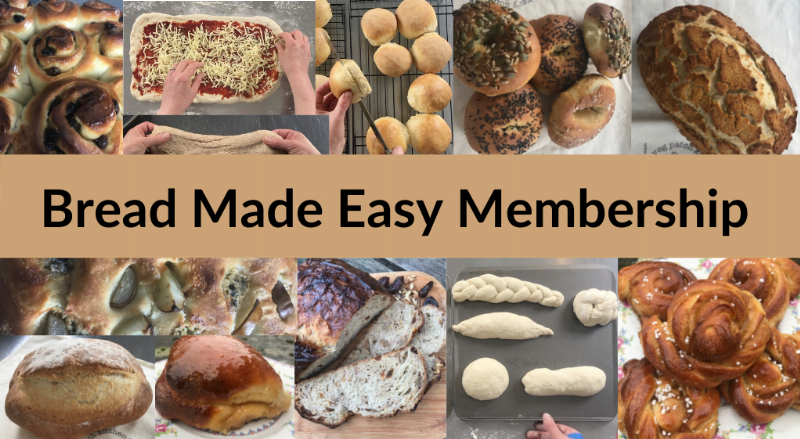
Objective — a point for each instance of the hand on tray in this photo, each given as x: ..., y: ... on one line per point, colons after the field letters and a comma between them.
x: 548, y: 429
x: 292, y: 142
x: 139, y: 139
x: 179, y: 88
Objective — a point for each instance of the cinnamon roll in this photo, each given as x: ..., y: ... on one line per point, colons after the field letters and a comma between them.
x: 714, y: 332
x: 773, y: 281
x: 652, y: 405
x: 650, y: 286
x: 16, y: 16
x: 14, y: 81
x: 10, y: 112
x: 106, y: 39
x: 785, y: 349
x: 72, y: 116
x: 58, y: 53
x: 97, y: 11
x: 64, y: 13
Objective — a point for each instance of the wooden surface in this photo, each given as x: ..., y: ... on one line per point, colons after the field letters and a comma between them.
x: 427, y: 421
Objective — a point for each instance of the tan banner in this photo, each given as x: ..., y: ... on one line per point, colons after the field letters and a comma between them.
x: 763, y: 185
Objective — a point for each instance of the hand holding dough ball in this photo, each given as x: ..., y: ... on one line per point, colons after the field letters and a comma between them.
x: 506, y: 124
x: 415, y: 17
x: 578, y: 114
x: 394, y: 133
x: 392, y: 59
x: 429, y: 133
x: 429, y: 93
x: 485, y: 379
x: 574, y: 381
x: 379, y: 26
x: 346, y: 75
x: 564, y: 56
x: 322, y: 50
x: 323, y: 13
x: 595, y: 307
x: 611, y: 56
x: 431, y: 53
x: 319, y: 80
x: 504, y: 325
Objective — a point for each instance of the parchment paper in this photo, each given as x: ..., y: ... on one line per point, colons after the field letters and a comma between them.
x: 613, y: 139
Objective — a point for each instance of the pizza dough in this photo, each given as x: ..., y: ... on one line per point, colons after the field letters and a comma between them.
x: 595, y: 307
x: 575, y: 381
x: 181, y: 142
x: 136, y: 39
x: 503, y: 325
x: 485, y: 379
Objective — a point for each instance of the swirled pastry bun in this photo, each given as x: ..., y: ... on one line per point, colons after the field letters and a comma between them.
x: 219, y: 383
x: 58, y: 53
x: 14, y: 81
x: 16, y: 16
x: 107, y: 40
x: 95, y: 11
x: 10, y: 112
x: 63, y: 13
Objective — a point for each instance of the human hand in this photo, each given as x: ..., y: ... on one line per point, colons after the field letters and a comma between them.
x: 326, y: 101
x: 548, y: 429
x: 139, y: 139
x: 336, y: 123
x: 294, y: 54
x: 398, y: 150
x: 179, y: 88
x: 290, y: 141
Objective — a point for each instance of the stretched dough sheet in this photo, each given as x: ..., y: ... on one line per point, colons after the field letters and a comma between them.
x: 136, y: 41
x: 181, y: 142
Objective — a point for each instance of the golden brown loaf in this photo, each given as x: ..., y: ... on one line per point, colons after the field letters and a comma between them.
x: 392, y: 59
x: 379, y: 26
x: 220, y: 383
x: 429, y: 133
x: 649, y: 286
x: 393, y: 132
x: 608, y: 39
x: 725, y: 94
x: 72, y: 387
x: 321, y: 48
x: 581, y: 112
x: 506, y: 124
x: 145, y: 296
x: 429, y: 93
x: 415, y: 17
x: 564, y: 56
x: 431, y: 53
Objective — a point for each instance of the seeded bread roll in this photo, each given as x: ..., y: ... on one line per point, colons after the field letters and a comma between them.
x: 506, y: 41
x: 429, y: 133
x: 394, y: 133
x: 323, y: 13
x: 608, y: 39
x: 379, y: 26
x: 505, y: 124
x: 581, y: 112
x: 64, y: 13
x: 431, y: 53
x: 321, y: 48
x: 392, y: 59
x: 429, y: 93
x: 415, y: 17
x: 346, y: 75
x: 564, y: 56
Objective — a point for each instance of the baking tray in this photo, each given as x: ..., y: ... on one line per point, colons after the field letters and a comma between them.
x: 290, y: 15
x: 572, y: 345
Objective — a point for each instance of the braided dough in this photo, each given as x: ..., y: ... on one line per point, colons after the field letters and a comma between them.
x: 181, y: 142
x: 494, y: 289
x: 503, y: 325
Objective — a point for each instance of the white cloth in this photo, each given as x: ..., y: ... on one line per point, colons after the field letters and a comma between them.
x: 773, y: 24
x: 615, y: 138
x: 138, y: 429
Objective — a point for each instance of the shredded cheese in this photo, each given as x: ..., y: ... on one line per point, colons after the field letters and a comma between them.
x: 236, y: 58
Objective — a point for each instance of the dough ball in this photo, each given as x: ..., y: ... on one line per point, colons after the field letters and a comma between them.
x: 323, y: 12
x: 429, y: 133
x: 347, y: 75
x: 321, y: 48
x: 431, y: 53
x: 595, y: 307
x: 429, y: 93
x: 379, y: 26
x: 485, y: 379
x: 392, y: 59
x: 394, y: 133
x: 415, y: 17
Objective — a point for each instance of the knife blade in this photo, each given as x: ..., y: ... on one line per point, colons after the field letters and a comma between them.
x: 361, y: 102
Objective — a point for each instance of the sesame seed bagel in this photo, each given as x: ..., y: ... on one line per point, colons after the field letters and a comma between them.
x: 564, y: 56
x: 505, y: 124
x: 582, y: 111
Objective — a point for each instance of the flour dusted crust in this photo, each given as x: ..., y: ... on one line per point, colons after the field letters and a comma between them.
x: 137, y: 35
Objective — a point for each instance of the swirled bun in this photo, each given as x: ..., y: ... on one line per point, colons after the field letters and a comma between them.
x: 431, y: 53
x: 581, y: 112
x: 321, y: 48
x: 95, y: 11
x: 564, y: 56
x: 429, y: 93
x: 64, y: 13
x: 394, y: 133
x: 345, y: 76
x: 392, y: 59
x: 58, y: 53
x: 106, y: 38
x: 14, y: 81
x: 502, y: 57
x: 379, y: 26
x: 323, y: 13
x: 16, y: 16
x: 415, y: 17
x: 10, y: 112
x: 506, y: 124
x: 429, y: 133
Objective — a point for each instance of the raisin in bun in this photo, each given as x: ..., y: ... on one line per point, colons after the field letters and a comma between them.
x: 564, y: 56
x: 321, y: 48
x: 581, y: 112
x: 106, y: 39
x: 63, y: 13
x: 14, y: 81
x: 58, y: 53
x: 10, y: 112
x: 429, y: 93
x: 431, y: 53
x: 95, y: 11
x: 347, y: 75
x: 379, y: 26
x: 393, y: 132
x: 16, y: 16
x: 219, y: 383
x: 392, y: 59
x: 429, y: 133
x: 415, y: 17
x: 507, y: 124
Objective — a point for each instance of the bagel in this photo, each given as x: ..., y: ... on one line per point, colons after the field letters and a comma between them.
x: 582, y: 111
x: 608, y: 39
x: 379, y: 26
x: 347, y: 75
x: 505, y: 124
x: 321, y: 48
x: 564, y: 56
x: 394, y: 133
x: 502, y: 57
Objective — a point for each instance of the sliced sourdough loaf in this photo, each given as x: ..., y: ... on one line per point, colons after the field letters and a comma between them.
x: 430, y: 340
x: 393, y: 330
x: 379, y: 387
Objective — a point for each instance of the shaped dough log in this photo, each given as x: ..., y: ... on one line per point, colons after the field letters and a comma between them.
x: 595, y: 307
x: 576, y: 381
x: 503, y: 325
x: 181, y: 142
x: 494, y: 289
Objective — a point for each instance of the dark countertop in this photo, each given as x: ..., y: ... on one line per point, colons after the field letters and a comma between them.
x: 436, y: 267
x: 276, y: 347
x: 140, y: 346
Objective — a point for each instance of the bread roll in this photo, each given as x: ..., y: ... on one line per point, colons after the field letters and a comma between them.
x: 320, y: 79
x: 323, y: 13
x: 10, y: 112
x: 17, y: 17
x: 392, y: 59
x: 322, y: 50
x: 394, y: 133
x: 59, y: 53
x: 345, y: 76
x: 578, y: 114
x: 415, y: 17
x: 608, y: 39
x: 95, y: 11
x: 14, y: 80
x: 106, y: 38
x: 64, y: 13
x: 76, y: 386
x: 429, y: 133
x: 431, y: 53
x: 504, y: 124
x: 429, y: 93
x: 379, y: 26
x: 564, y: 56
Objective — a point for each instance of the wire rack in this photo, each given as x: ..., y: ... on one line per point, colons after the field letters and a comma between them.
x: 389, y: 95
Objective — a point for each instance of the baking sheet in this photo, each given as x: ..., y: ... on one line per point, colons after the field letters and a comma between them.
x: 290, y: 15
x: 572, y: 345
x: 615, y: 138
x: 773, y: 24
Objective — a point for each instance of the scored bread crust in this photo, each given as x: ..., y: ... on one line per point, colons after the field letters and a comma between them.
x: 725, y: 94
x: 137, y: 36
